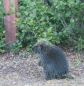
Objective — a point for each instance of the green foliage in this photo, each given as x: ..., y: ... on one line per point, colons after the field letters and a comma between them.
x: 2, y: 45
x: 2, y: 32
x: 63, y: 22
x: 15, y: 46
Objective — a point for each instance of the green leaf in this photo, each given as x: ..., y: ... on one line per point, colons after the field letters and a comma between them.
x: 68, y: 14
x: 0, y: 2
x: 45, y: 35
x: 72, y: 20
x: 49, y: 30
x: 17, y: 34
x: 26, y: 13
x: 11, y: 1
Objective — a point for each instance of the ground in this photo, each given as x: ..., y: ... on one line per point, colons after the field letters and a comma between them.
x: 22, y: 70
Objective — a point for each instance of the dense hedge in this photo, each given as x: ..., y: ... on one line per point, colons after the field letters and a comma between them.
x: 62, y: 23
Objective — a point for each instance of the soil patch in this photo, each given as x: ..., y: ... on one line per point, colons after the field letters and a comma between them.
x: 22, y: 70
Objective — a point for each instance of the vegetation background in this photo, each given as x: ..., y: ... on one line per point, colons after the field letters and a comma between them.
x: 62, y: 23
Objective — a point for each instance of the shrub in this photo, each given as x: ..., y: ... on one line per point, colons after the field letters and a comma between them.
x: 2, y: 32
x: 63, y: 22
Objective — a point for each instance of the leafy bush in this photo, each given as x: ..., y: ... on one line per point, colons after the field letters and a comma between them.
x: 63, y: 22
x: 15, y: 46
x: 2, y: 32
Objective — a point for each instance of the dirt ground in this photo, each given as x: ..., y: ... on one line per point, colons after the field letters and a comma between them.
x: 22, y: 70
